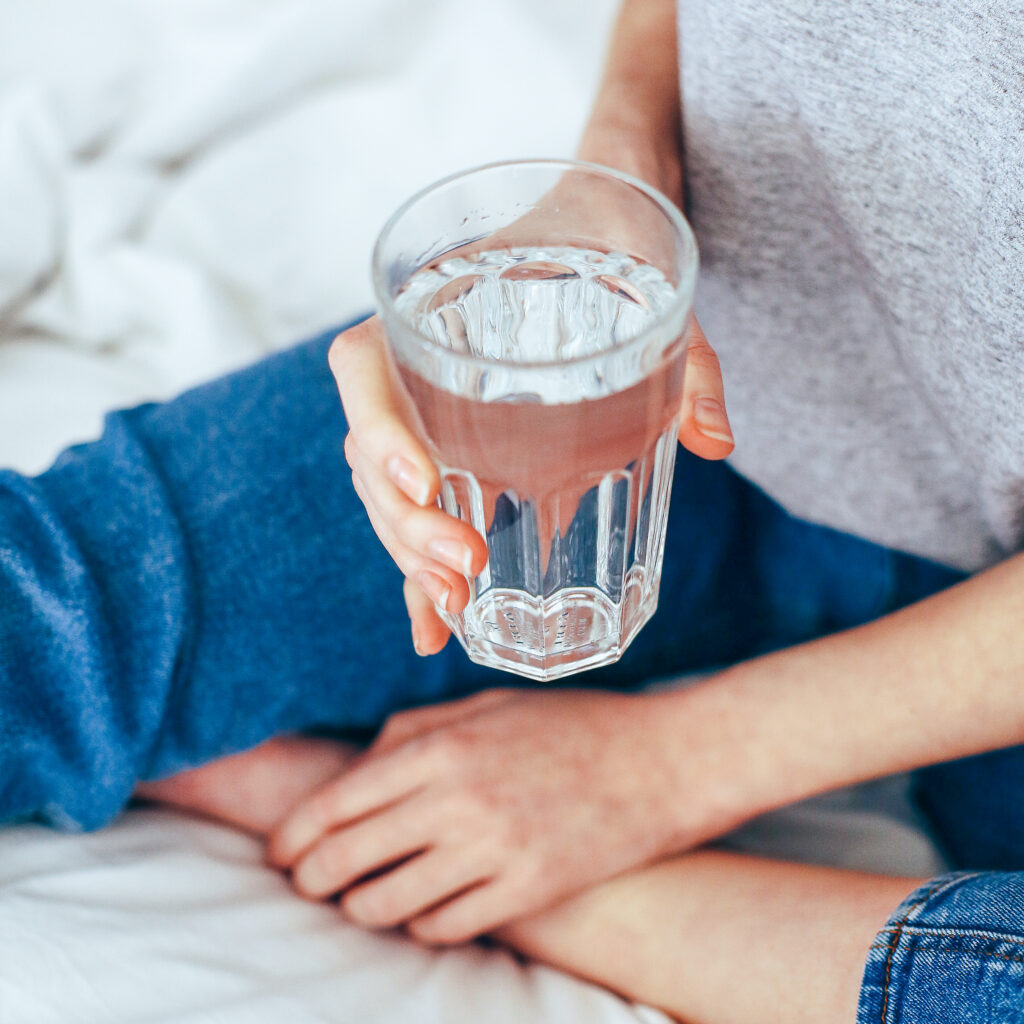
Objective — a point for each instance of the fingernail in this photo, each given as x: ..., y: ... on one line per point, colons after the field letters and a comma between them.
x: 416, y: 644
x: 435, y: 588
x: 406, y: 476
x: 455, y: 555
x: 711, y: 419
x: 308, y: 878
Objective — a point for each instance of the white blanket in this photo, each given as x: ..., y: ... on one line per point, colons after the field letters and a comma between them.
x: 187, y: 184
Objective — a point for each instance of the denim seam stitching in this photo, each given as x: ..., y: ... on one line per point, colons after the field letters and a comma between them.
x: 963, y: 952
x: 923, y: 931
x: 936, y: 888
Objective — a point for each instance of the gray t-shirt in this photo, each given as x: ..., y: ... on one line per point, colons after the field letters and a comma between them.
x: 855, y: 177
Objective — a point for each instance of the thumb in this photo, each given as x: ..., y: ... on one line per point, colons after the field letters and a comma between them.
x: 704, y: 424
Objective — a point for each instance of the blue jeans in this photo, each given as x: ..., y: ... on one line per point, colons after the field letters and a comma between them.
x: 203, y: 577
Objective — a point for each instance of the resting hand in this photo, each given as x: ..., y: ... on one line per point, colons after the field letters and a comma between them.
x: 466, y: 815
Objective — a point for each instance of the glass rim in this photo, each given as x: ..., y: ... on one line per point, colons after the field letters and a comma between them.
x: 683, y: 292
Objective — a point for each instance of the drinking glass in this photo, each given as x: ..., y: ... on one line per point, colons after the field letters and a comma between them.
x: 537, y: 314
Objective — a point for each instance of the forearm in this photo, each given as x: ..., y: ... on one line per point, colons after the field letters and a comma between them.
x: 635, y: 121
x: 718, y: 938
x: 938, y: 680
x: 640, y: 84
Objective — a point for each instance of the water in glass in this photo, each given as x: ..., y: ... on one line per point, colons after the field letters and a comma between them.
x: 570, y: 489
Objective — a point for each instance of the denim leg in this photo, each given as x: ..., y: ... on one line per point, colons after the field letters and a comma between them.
x: 952, y: 953
x: 196, y: 580
x: 976, y: 809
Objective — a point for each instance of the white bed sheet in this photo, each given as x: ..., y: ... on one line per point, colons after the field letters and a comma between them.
x: 188, y: 184
x: 165, y: 919
x: 162, y: 919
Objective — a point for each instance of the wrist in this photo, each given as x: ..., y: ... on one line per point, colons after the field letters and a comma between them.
x: 731, y: 754
x: 706, y: 789
x: 641, y: 148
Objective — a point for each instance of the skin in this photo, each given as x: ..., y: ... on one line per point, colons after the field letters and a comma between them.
x: 608, y: 788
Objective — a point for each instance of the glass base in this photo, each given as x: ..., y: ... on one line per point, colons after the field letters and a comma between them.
x: 545, y: 639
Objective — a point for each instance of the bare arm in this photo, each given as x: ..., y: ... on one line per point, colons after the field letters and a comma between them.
x: 635, y: 122
x: 939, y: 680
x: 722, y: 938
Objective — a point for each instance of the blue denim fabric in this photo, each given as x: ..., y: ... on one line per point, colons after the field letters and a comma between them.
x: 976, y: 809
x: 203, y: 577
x: 952, y: 953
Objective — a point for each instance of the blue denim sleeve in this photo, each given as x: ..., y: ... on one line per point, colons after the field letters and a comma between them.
x: 952, y: 952
x: 152, y: 615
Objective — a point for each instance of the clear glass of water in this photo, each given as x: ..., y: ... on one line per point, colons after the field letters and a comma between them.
x: 537, y: 313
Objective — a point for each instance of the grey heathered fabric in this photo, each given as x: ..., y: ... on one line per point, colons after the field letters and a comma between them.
x: 856, y: 181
